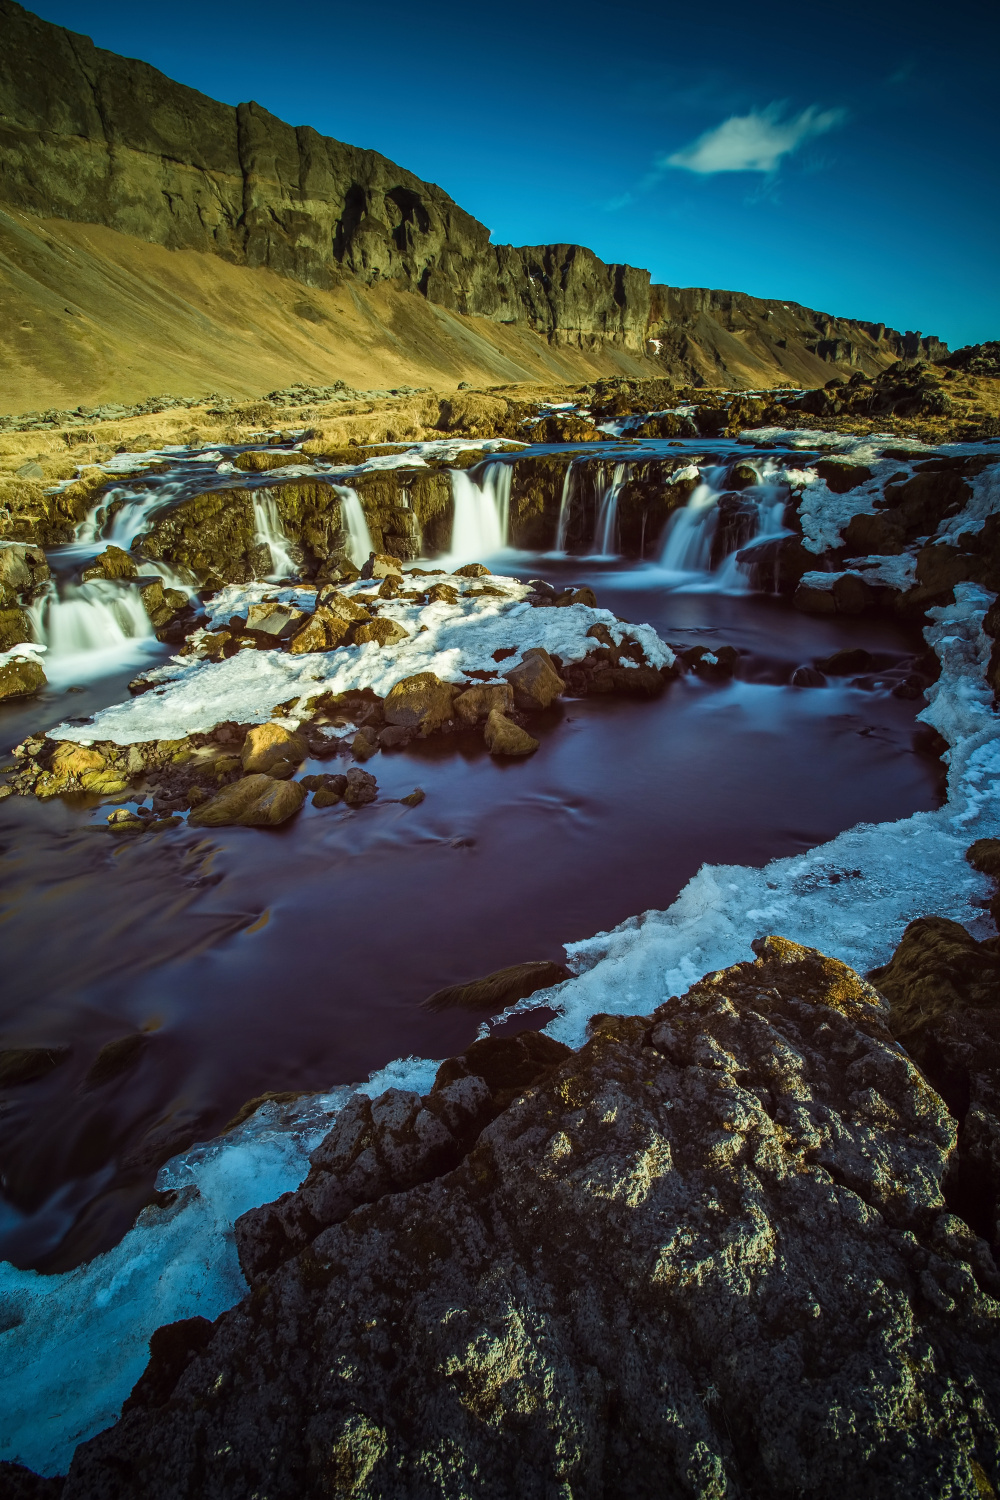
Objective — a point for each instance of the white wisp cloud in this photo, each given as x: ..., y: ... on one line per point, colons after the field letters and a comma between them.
x: 755, y: 142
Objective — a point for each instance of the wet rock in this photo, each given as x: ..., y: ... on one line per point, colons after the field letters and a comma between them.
x: 123, y: 820
x: 414, y: 798
x: 19, y: 1483
x: 501, y: 988
x: 15, y: 628
x: 807, y: 677
x: 160, y: 604
x: 478, y: 702
x: 256, y: 801
x: 393, y: 736
x: 269, y: 745
x: 840, y: 475
x: 712, y: 664
x: 332, y: 602
x: 113, y: 562
x: 503, y: 737
x: 811, y: 600
x: 20, y: 1065
x: 24, y: 569
x: 115, y: 1058
x: 390, y: 588
x: 442, y: 593
x: 319, y: 634
x: 381, y: 565
x: 21, y: 677
x: 256, y: 462
x: 472, y: 570
x: 365, y: 743
x: 361, y: 787
x: 791, y: 1302
x: 80, y: 768
x: 383, y: 632
x: 535, y: 681
x: 742, y: 476
x: 846, y: 662
x: 421, y: 703
x: 576, y: 596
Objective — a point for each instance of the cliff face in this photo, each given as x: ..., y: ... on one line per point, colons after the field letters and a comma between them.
x: 94, y: 138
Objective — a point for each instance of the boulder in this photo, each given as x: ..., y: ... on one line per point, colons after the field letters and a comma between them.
x: 535, y: 680
x: 113, y: 562
x: 479, y: 702
x: 256, y: 801
x: 852, y: 595
x: 253, y: 461
x: 742, y: 476
x: 847, y: 662
x: 365, y: 743
x: 15, y: 628
x: 383, y: 632
x: 576, y: 596
x: 840, y: 476
x: 332, y: 602
x: 503, y: 737
x: 807, y: 677
x: 322, y: 631
x: 327, y: 789
x: 361, y: 787
x: 280, y: 620
x: 421, y: 703
x: 381, y: 565
x: 21, y: 676
x: 501, y: 988
x: 159, y: 603
x: 270, y: 747
x: 442, y: 593
x: 810, y: 600
x: 472, y: 570
x: 23, y: 569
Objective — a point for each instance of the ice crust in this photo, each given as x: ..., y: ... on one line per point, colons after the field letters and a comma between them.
x: 450, y: 640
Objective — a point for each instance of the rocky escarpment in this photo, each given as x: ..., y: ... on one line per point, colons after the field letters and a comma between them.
x: 711, y: 1254
x: 91, y: 137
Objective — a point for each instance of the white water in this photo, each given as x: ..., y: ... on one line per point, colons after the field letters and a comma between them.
x: 267, y: 520
x: 360, y: 546
x: 690, y: 533
x: 565, y: 507
x: 482, y: 513
x: 606, y: 526
x: 90, y: 629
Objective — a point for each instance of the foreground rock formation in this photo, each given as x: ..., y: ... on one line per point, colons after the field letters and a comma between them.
x: 712, y: 1254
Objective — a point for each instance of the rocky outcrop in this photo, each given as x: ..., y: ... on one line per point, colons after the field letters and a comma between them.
x: 710, y: 1255
x: 100, y: 139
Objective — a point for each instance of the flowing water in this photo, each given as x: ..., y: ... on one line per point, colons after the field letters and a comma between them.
x: 298, y: 958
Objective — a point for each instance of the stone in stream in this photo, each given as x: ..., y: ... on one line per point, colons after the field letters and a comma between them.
x: 478, y: 702
x: 20, y: 677
x: 270, y: 745
x: 21, y: 1065
x: 494, y: 992
x: 708, y: 1255
x: 113, y: 562
x: 365, y: 743
x: 535, y: 680
x: 421, y: 703
x: 504, y: 737
x: 255, y: 801
x: 472, y: 570
x: 327, y: 789
x: 159, y: 603
x: 361, y: 787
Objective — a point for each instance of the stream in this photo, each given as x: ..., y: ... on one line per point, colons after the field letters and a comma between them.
x: 298, y: 958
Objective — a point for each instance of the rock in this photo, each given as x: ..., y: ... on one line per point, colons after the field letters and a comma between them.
x: 383, y: 632
x: 21, y: 1065
x: 115, y: 1058
x: 535, y: 680
x: 472, y: 570
x: 332, y: 787
x: 810, y: 600
x: 15, y: 628
x: 840, y: 476
x: 331, y: 601
x: 808, y: 677
x: 380, y: 565
x: 361, y: 787
x: 576, y: 596
x: 414, y: 798
x: 255, y: 462
x: 23, y: 571
x: 269, y: 745
x: 852, y: 595
x: 123, y: 820
x: 742, y: 476
x: 791, y: 1305
x: 365, y: 744
x: 312, y: 636
x: 478, y: 702
x: 159, y: 603
x: 20, y: 677
x: 393, y: 736
x: 501, y: 988
x: 442, y: 593
x: 113, y: 562
x: 847, y: 662
x: 280, y: 620
x: 30, y: 470
x: 256, y: 801
x: 506, y: 738
x: 421, y: 703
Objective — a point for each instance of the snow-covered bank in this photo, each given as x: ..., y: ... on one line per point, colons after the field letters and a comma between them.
x: 450, y: 640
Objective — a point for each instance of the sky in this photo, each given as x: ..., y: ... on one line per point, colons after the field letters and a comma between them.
x: 842, y: 156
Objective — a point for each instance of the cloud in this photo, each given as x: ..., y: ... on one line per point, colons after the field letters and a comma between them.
x: 753, y: 142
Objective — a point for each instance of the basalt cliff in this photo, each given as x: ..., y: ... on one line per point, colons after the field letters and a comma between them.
x: 105, y: 164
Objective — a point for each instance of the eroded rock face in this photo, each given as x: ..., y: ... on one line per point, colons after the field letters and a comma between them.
x: 709, y: 1255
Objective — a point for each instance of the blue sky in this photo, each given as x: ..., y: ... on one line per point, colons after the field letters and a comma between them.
x: 843, y: 156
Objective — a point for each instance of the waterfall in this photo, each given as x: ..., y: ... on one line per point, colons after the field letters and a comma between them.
x: 482, y: 513
x: 565, y: 508
x: 269, y: 530
x: 130, y: 520
x: 693, y: 541
x: 90, y: 628
x: 359, y: 547
x: 606, y: 527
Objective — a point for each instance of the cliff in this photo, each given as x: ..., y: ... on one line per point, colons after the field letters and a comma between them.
x: 90, y: 138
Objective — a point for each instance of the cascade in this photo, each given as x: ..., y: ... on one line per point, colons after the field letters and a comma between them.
x: 482, y: 512
x: 606, y: 526
x: 269, y: 531
x: 89, y: 628
x: 692, y: 542
x: 565, y: 507
x: 359, y: 546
